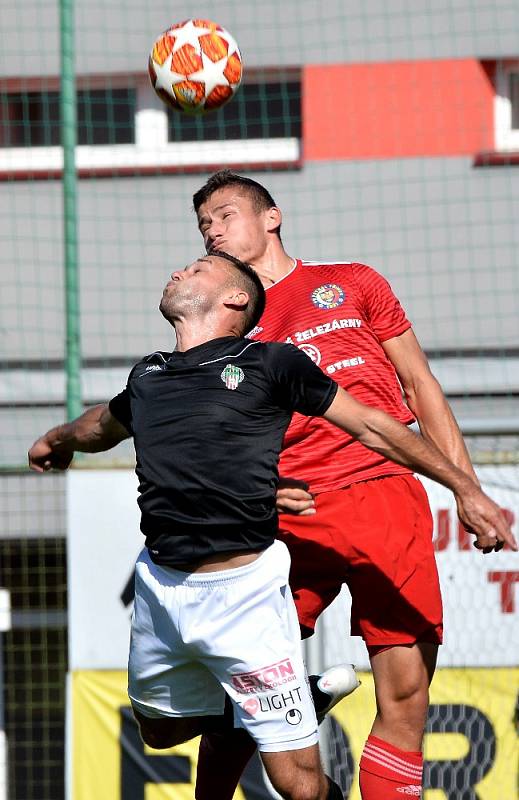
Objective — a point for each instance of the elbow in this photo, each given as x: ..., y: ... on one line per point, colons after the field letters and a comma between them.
x: 371, y: 436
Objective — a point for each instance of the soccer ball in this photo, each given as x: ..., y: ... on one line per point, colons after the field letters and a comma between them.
x: 195, y: 66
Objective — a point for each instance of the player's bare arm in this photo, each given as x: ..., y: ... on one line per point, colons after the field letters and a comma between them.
x: 425, y: 398
x: 93, y: 432
x: 385, y: 435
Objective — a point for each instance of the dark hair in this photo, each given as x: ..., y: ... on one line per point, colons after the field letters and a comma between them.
x: 252, y: 285
x: 260, y: 197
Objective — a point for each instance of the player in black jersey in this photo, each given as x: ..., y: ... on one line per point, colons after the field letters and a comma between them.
x: 213, y: 611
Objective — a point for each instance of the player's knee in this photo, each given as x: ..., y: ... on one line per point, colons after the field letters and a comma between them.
x: 412, y: 690
x: 165, y: 732
x: 159, y: 737
x: 156, y: 742
x: 406, y: 709
x: 301, y: 793
x: 301, y: 785
x: 408, y: 706
x: 410, y: 687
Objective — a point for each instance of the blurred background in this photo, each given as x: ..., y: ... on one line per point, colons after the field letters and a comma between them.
x: 388, y: 133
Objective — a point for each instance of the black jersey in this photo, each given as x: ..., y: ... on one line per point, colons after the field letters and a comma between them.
x: 208, y: 426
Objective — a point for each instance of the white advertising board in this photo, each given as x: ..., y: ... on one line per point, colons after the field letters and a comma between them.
x: 103, y: 542
x: 479, y: 591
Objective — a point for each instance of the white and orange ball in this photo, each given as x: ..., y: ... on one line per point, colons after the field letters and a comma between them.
x: 195, y: 66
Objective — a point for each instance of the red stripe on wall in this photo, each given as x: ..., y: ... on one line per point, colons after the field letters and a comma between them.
x: 397, y: 109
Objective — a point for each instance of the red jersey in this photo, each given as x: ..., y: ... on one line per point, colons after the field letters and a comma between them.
x: 338, y: 314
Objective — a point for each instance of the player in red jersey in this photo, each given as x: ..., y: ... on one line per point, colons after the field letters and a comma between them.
x: 368, y: 523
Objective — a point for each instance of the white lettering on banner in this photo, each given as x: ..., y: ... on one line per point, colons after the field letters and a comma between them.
x: 506, y: 580
x: 450, y: 532
x: 344, y: 364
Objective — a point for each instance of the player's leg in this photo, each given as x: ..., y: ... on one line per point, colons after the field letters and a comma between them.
x: 223, y: 756
x: 298, y: 775
x: 402, y: 677
x: 293, y: 775
x: 253, y: 648
x: 163, y: 732
x: 392, y: 758
x: 316, y: 578
x: 174, y: 697
x: 400, y: 619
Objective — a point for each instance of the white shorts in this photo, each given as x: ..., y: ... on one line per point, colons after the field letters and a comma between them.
x: 197, y: 636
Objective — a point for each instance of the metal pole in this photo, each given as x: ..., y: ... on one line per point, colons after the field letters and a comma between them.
x: 68, y: 141
x: 5, y: 625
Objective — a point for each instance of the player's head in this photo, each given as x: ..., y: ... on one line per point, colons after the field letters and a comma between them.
x: 212, y: 283
x: 237, y: 214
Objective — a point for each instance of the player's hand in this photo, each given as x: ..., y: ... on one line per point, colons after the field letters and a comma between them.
x: 489, y: 542
x: 293, y: 497
x: 482, y: 517
x: 42, y: 457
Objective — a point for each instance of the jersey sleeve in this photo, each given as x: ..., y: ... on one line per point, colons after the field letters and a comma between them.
x: 299, y: 384
x: 382, y: 307
x: 120, y: 408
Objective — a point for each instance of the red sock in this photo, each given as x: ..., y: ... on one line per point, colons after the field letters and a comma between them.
x: 222, y: 757
x: 387, y: 773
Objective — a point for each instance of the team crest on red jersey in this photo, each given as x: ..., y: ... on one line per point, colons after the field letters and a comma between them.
x: 329, y: 295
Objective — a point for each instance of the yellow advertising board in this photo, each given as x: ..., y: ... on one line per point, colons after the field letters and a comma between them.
x: 471, y: 745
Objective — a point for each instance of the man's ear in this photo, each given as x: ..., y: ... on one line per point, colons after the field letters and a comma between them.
x: 236, y: 298
x: 273, y: 217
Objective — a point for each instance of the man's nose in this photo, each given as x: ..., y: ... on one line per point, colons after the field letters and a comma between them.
x: 213, y: 232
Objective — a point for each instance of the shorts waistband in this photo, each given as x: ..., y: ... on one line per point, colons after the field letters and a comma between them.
x: 274, y: 553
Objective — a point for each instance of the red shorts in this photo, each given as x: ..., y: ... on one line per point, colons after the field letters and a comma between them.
x: 375, y: 536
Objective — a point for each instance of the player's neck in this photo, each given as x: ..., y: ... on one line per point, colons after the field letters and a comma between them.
x: 193, y: 333
x: 273, y: 265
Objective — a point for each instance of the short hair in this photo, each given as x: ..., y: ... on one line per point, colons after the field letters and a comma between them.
x: 252, y: 284
x: 260, y: 197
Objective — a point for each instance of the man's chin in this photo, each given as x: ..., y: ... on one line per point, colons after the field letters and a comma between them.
x: 165, y: 308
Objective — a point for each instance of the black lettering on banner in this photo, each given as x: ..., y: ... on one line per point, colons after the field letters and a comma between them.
x: 458, y: 779
x: 138, y: 768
